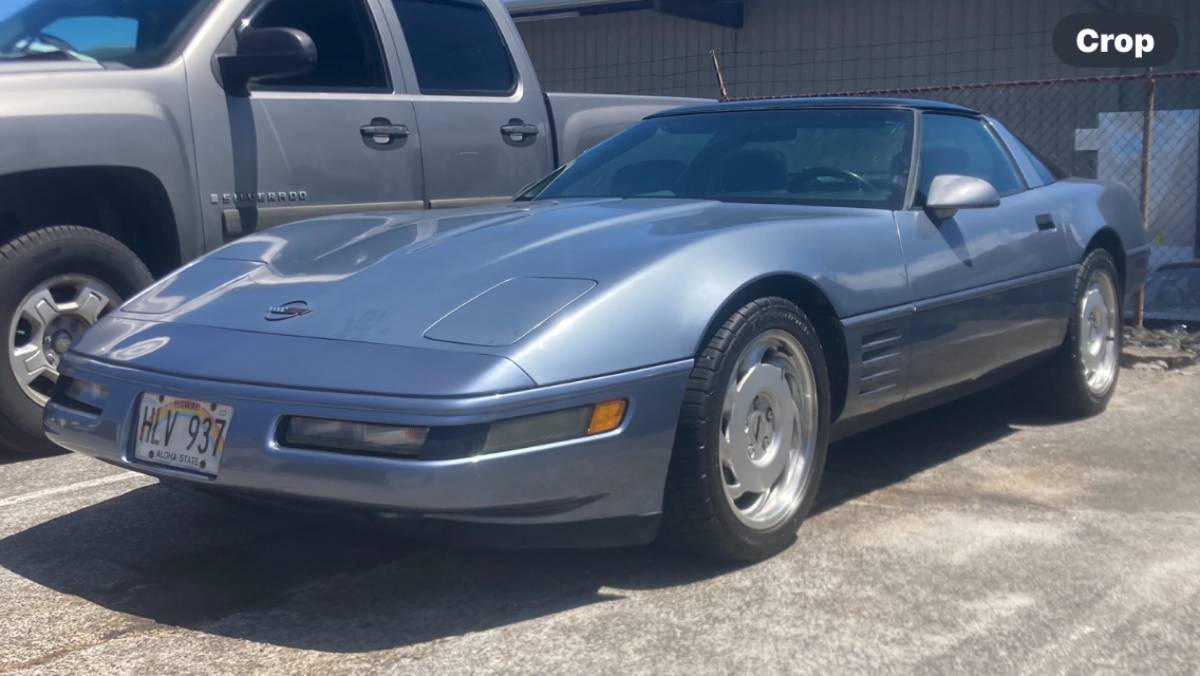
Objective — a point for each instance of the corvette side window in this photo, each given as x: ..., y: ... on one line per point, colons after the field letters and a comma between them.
x: 348, y: 51
x: 1046, y: 170
x: 956, y: 144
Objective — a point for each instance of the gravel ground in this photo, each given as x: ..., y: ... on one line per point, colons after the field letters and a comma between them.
x: 974, y: 538
x: 1176, y: 339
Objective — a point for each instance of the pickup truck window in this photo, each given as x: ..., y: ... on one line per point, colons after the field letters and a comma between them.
x: 456, y: 47
x: 349, y: 56
x: 831, y: 157
x: 131, y: 33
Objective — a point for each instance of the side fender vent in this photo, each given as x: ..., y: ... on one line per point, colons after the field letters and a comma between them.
x: 881, y: 361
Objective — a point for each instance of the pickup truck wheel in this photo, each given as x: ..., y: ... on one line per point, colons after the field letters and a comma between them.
x: 752, y: 435
x: 54, y: 283
x: 1079, y: 379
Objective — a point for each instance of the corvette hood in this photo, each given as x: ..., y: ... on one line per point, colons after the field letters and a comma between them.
x: 482, y: 277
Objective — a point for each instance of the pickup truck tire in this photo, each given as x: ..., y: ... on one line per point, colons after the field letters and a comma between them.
x: 759, y: 387
x: 54, y: 283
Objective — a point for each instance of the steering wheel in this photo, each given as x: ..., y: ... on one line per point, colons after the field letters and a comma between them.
x: 813, y: 173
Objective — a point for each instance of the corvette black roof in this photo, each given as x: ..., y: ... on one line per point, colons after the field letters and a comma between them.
x: 817, y: 102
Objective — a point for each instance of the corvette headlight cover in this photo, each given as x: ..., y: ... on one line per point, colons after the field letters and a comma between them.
x: 452, y: 442
x: 354, y: 437
x: 548, y: 428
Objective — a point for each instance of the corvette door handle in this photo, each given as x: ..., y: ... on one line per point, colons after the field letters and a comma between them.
x: 1045, y: 222
x: 518, y: 131
x: 383, y: 131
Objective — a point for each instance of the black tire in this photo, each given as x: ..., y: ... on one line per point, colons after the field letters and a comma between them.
x: 697, y: 516
x: 1058, y: 386
x: 29, y: 261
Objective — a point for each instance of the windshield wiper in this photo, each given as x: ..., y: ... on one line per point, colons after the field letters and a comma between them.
x: 43, y: 51
x: 41, y: 56
x: 51, y: 56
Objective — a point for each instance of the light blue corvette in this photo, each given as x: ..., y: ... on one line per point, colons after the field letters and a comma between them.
x: 660, y: 339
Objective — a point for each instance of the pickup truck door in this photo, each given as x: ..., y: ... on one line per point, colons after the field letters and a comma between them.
x: 990, y: 286
x: 482, y: 116
x: 339, y: 139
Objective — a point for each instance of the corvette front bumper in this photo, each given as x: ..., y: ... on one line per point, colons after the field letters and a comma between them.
x: 611, y: 478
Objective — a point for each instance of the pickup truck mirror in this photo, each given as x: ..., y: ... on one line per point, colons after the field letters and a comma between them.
x: 267, y: 52
x: 950, y: 192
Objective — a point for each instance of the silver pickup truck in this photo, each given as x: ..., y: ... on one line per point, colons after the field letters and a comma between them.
x: 138, y: 134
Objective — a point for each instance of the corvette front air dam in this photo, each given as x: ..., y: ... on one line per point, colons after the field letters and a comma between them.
x: 605, y: 489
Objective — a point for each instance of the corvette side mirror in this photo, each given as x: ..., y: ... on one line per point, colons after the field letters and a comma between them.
x: 265, y: 53
x: 950, y: 192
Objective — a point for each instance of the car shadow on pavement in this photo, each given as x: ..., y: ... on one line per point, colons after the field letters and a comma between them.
x: 9, y: 458
x: 892, y: 453
x: 260, y: 574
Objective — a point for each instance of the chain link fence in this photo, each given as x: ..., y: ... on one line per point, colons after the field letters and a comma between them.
x: 1141, y: 129
x: 1098, y: 127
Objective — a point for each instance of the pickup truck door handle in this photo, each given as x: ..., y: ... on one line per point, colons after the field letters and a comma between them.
x: 382, y: 131
x: 518, y: 131
x: 1045, y: 222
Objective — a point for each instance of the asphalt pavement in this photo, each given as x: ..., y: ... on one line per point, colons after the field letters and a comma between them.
x: 974, y: 538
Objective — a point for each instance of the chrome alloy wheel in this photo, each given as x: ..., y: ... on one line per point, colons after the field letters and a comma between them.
x: 1098, y: 326
x: 47, y: 322
x: 768, y: 432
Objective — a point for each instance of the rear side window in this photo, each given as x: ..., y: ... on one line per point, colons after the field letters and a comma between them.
x: 456, y: 47
x: 1046, y: 170
x: 955, y: 144
x: 348, y: 51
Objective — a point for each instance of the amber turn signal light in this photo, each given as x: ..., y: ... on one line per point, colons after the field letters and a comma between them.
x: 607, y: 416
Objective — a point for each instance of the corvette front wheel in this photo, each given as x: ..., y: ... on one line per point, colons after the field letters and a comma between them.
x: 753, y: 431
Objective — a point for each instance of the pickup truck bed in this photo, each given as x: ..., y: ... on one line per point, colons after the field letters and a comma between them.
x: 583, y: 120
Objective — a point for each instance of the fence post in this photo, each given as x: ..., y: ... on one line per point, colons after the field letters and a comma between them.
x: 1139, y: 312
x: 720, y: 75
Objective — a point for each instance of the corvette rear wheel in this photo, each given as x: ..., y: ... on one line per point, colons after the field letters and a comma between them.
x: 1079, y: 379
x: 54, y: 284
x: 752, y: 436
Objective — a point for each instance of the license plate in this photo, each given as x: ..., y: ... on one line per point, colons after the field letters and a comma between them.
x: 181, y: 433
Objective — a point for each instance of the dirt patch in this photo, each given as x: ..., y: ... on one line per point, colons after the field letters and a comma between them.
x: 1160, y: 349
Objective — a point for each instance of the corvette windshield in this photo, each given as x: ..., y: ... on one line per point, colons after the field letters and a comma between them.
x: 129, y: 33
x: 835, y: 157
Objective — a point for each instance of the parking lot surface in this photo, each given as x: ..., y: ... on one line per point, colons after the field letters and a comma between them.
x: 975, y: 538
